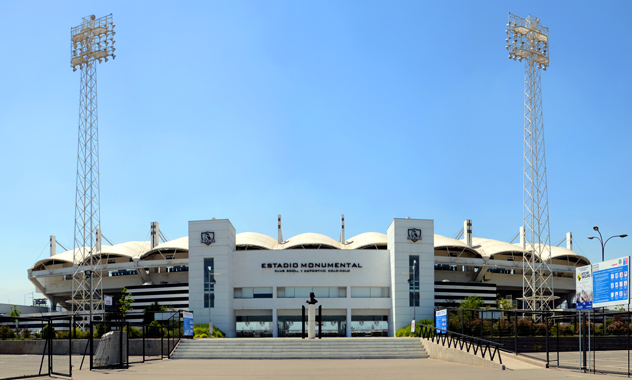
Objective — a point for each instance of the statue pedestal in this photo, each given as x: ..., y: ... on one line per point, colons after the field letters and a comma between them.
x: 311, y: 322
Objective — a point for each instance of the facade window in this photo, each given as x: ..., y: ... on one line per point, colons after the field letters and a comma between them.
x: 367, y: 292
x: 253, y: 292
x: 413, y: 280
x: 319, y: 292
x: 209, y: 283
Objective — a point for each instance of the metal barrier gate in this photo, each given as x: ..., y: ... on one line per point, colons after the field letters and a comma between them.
x: 45, y: 347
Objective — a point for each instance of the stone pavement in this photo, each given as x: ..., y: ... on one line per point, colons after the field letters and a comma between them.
x: 324, y: 369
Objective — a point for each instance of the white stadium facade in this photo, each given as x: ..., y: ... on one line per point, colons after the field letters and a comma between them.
x: 370, y: 284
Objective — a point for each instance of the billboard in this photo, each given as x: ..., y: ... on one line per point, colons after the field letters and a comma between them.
x: 187, y: 318
x: 584, y: 287
x: 441, y: 321
x: 611, y: 284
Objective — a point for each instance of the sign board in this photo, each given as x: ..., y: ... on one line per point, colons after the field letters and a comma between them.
x: 611, y: 282
x: 441, y: 321
x: 108, y: 300
x: 584, y: 288
x: 412, y: 327
x: 187, y: 317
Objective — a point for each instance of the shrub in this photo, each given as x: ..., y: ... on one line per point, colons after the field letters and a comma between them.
x: 406, y: 332
x: 202, y: 329
x: 6, y: 333
x: 48, y: 332
x: 200, y: 336
x: 26, y: 334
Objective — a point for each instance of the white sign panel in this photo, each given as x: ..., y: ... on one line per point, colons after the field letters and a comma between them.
x: 108, y: 300
x: 611, y: 284
x: 584, y: 287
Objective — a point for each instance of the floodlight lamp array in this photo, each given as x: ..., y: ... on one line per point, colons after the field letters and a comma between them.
x: 92, y: 41
x: 527, y: 39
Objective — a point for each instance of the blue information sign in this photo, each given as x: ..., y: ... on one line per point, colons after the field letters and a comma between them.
x: 188, y: 323
x: 441, y: 321
x: 611, y: 284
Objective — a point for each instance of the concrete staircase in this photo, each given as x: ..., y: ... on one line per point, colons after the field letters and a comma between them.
x: 292, y: 348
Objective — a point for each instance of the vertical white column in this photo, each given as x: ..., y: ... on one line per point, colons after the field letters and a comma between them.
x: 53, y: 245
x: 311, y: 321
x: 275, y: 324
x: 348, y: 323
x: 221, y: 250
x: 155, y: 234
x: 467, y: 232
x: 401, y: 248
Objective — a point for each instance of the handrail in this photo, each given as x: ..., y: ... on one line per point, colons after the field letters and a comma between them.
x: 460, y: 341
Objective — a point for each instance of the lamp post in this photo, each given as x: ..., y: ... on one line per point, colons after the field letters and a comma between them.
x: 211, y: 281
x: 603, y: 243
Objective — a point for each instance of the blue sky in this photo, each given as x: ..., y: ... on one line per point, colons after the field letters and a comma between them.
x: 249, y: 109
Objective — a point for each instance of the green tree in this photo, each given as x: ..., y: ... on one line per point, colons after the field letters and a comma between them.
x: 150, y: 310
x: 503, y: 303
x: 125, y: 301
x: 15, y: 313
x: 472, y: 302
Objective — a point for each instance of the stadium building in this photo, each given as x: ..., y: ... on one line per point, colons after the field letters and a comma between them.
x: 370, y: 284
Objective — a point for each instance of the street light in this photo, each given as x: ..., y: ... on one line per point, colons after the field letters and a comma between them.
x: 211, y: 282
x: 413, y: 282
x: 603, y: 243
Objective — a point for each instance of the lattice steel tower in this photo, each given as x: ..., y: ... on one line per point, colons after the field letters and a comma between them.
x: 528, y: 40
x: 91, y: 41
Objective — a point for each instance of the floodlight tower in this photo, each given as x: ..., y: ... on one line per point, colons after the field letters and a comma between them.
x: 528, y: 40
x: 91, y: 41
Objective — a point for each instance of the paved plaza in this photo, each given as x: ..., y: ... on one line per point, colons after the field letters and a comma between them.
x: 324, y: 369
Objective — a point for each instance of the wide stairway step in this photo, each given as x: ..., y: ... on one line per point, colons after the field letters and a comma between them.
x: 293, y: 348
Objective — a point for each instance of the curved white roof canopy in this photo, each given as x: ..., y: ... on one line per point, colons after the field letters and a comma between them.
x: 311, y: 240
x: 180, y: 244
x: 488, y: 248
x: 453, y: 245
x: 130, y: 250
x: 255, y: 240
x: 366, y: 240
x: 482, y: 248
x: 565, y: 254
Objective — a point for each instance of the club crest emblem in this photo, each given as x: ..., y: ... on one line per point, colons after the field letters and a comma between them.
x: 208, y: 237
x: 414, y: 234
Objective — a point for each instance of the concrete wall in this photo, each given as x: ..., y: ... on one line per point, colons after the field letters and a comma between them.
x: 60, y: 347
x: 437, y: 351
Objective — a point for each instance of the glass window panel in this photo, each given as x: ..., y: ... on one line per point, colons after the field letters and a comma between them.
x: 357, y: 292
x: 280, y: 292
x: 248, y: 292
x: 321, y: 292
x: 375, y: 292
x: 302, y: 292
x: 262, y: 290
x: 342, y: 292
x: 289, y: 292
x: 384, y: 292
x: 238, y: 293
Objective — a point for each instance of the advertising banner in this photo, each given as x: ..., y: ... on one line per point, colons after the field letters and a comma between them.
x: 441, y: 321
x: 187, y: 317
x: 584, y: 287
x: 611, y: 285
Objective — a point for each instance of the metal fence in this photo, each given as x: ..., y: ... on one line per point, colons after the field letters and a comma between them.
x: 35, y: 347
x: 596, y: 341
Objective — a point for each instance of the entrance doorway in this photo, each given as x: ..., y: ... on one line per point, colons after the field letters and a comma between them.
x: 291, y: 326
